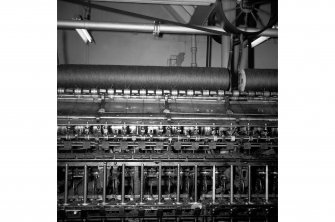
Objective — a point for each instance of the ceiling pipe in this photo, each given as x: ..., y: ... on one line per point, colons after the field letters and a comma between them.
x: 163, y: 2
x: 147, y: 28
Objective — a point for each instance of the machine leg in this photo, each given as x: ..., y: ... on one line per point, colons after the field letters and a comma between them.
x: 178, y: 183
x: 195, y: 183
x: 104, y: 184
x: 142, y: 184
x: 213, y: 183
x: 266, y: 183
x: 160, y: 184
x: 66, y: 184
x: 249, y: 183
x: 85, y: 185
x: 123, y: 184
x: 231, y: 184
x: 136, y: 185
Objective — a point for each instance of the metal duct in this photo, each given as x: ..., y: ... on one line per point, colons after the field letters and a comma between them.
x: 147, y: 28
x: 163, y: 2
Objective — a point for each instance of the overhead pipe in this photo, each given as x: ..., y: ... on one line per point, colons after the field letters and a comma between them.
x: 147, y: 28
x: 163, y: 2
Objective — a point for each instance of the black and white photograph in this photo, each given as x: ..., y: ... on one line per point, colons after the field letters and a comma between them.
x: 167, y: 110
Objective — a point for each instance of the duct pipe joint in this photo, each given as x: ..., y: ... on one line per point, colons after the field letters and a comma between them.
x: 156, y: 30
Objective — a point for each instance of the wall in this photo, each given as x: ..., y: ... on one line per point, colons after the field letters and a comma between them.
x: 140, y: 48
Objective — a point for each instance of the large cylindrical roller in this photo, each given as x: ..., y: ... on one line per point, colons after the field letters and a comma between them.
x: 146, y: 77
x: 258, y: 80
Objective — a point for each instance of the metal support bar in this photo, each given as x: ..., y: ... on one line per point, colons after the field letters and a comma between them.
x: 160, y: 184
x: 209, y: 52
x: 147, y: 28
x: 85, y: 185
x: 104, y: 184
x: 231, y: 184
x: 178, y: 183
x: 66, y: 184
x: 213, y: 189
x: 136, y: 181
x: 195, y: 183
x: 249, y: 183
x: 266, y: 183
x: 123, y: 184
x: 225, y: 50
x: 142, y: 184
x: 194, y: 51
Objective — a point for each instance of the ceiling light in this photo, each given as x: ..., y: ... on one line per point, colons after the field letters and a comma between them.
x: 258, y: 41
x: 85, y: 35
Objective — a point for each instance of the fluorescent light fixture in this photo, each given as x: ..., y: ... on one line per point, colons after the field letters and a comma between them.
x: 86, y: 37
x: 258, y: 41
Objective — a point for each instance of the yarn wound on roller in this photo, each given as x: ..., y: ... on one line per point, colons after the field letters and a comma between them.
x: 142, y: 77
x: 258, y: 80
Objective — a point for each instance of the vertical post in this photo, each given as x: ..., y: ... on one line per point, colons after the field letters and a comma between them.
x: 66, y: 184
x: 123, y: 184
x: 178, y: 183
x: 195, y: 183
x: 266, y: 183
x: 249, y: 183
x: 136, y: 181
x: 213, y: 183
x: 194, y: 51
x: 225, y: 48
x: 85, y: 185
x: 209, y: 51
x: 160, y: 184
x: 231, y: 184
x: 142, y: 184
x: 104, y: 184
